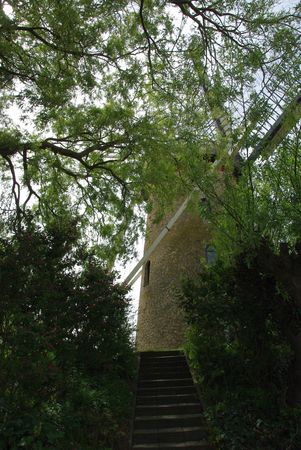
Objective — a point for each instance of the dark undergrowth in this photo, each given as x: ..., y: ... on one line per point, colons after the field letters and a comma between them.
x: 239, y: 347
x: 66, y: 354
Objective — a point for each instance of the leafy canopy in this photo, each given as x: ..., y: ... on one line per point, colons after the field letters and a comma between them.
x: 114, y: 98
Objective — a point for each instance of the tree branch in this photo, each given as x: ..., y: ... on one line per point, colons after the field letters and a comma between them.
x: 16, y: 191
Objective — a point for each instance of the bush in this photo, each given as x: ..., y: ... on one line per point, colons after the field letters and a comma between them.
x: 239, y: 348
x: 66, y: 356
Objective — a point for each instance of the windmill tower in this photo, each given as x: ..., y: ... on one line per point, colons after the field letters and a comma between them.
x: 173, y: 250
x: 161, y: 324
x: 174, y: 247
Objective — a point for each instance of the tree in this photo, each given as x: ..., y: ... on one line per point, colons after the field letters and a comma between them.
x: 244, y: 337
x: 66, y: 350
x: 117, y: 96
x: 241, y: 352
x: 255, y: 226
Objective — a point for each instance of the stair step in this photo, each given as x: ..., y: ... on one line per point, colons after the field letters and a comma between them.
x: 164, y: 361
x: 165, y: 370
x: 176, y: 434
x: 165, y: 399
x: 156, y: 374
x: 173, y: 353
x: 168, y: 430
x: 168, y: 421
x: 170, y: 377
x: 167, y: 390
x: 168, y: 411
x: 193, y: 445
x: 166, y: 382
x: 180, y: 408
x: 167, y: 366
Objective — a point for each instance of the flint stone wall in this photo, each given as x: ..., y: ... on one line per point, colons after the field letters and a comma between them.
x: 161, y: 324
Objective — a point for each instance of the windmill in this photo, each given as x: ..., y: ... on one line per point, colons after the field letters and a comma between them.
x: 174, y: 247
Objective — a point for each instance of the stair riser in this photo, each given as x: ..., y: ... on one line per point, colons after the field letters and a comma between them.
x: 168, y: 412
x: 164, y: 370
x: 162, y: 375
x: 165, y: 383
x: 165, y: 410
x: 196, y: 446
x: 164, y: 362
x: 167, y: 423
x: 175, y: 436
x: 167, y: 367
x: 166, y: 390
x: 176, y: 362
x: 166, y: 400
x: 170, y: 353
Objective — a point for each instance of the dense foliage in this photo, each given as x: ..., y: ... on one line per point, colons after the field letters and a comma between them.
x: 103, y: 102
x: 66, y: 354
x: 239, y: 346
x: 244, y: 311
x: 262, y: 201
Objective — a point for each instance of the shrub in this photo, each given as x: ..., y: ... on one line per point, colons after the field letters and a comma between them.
x: 239, y: 348
x: 66, y: 353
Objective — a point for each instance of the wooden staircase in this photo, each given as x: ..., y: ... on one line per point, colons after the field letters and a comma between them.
x: 168, y: 412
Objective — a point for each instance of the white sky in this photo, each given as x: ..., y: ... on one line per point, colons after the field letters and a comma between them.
x: 124, y: 272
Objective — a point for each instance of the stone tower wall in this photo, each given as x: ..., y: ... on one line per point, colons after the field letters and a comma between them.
x: 161, y: 325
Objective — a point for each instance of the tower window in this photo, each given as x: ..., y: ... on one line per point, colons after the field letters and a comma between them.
x: 210, y: 254
x: 146, y: 274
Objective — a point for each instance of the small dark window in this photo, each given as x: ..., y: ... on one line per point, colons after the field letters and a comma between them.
x: 146, y: 274
x: 210, y: 254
